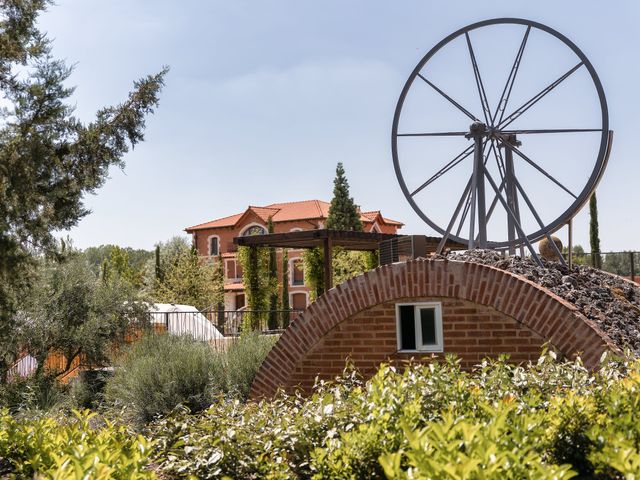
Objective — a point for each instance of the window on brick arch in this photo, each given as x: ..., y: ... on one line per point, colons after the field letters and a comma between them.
x: 419, y: 326
x: 213, y: 245
x: 297, y: 271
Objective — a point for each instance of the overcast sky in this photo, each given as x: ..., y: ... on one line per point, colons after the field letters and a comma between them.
x: 264, y: 97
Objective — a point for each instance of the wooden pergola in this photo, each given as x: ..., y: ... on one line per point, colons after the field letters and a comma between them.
x: 328, y: 239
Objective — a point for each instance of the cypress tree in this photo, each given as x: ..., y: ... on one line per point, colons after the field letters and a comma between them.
x: 218, y: 275
x: 158, y: 265
x: 594, y: 234
x: 343, y: 212
x: 285, y: 288
x: 272, y: 320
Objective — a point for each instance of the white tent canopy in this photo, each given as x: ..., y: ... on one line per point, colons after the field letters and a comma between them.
x: 184, y: 320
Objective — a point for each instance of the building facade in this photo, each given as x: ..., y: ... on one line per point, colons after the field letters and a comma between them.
x: 215, y: 238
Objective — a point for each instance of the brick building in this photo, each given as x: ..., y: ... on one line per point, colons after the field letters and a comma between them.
x: 216, y: 238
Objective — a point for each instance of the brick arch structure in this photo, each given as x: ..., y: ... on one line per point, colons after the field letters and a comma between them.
x: 486, y: 311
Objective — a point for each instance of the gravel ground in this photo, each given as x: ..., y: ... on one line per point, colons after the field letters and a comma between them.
x: 610, y: 301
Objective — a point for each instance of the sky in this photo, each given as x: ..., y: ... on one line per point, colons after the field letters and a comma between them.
x: 265, y: 97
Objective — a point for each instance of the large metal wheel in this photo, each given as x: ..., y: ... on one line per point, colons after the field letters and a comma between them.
x: 496, y: 135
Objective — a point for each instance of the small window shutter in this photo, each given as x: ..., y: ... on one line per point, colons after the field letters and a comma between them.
x: 407, y: 328
x: 428, y: 326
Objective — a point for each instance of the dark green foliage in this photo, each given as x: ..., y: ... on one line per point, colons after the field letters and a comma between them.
x: 272, y: 321
x: 343, y: 212
x: 87, y: 389
x: 285, y: 288
x: 313, y: 259
x: 40, y: 393
x: 258, y: 285
x: 50, y: 160
x: 594, y: 234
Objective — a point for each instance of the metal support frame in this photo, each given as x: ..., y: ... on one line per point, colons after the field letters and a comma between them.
x: 512, y: 194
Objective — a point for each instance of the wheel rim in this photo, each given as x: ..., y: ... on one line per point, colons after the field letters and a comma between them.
x: 598, y: 168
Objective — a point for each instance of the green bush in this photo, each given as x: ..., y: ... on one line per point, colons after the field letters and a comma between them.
x: 550, y: 419
x: 34, y: 393
x: 87, y: 390
x: 160, y: 372
x: 243, y: 359
x: 46, y: 448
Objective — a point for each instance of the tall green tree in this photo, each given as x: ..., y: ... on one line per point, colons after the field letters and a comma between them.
x: 49, y: 160
x: 186, y: 280
x: 272, y: 320
x: 255, y: 268
x: 343, y: 212
x: 594, y: 234
x: 71, y: 311
x: 285, y: 288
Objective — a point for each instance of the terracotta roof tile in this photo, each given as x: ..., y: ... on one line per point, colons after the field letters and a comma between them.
x: 287, y: 212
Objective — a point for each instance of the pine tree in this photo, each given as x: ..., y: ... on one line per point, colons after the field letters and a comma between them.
x: 50, y: 160
x: 285, y: 289
x: 594, y: 234
x: 343, y: 212
x: 272, y: 321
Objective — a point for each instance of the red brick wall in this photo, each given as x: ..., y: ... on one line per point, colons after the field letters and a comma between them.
x: 470, y: 331
x: 486, y: 311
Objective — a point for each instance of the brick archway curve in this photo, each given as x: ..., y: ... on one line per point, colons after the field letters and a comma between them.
x: 537, y: 308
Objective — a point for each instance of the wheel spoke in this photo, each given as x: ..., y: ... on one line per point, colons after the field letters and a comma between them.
x: 538, y: 219
x: 511, y: 214
x: 551, y: 130
x: 530, y: 103
x: 538, y: 167
x: 447, y: 233
x: 451, y: 100
x: 465, y: 153
x: 476, y: 71
x: 506, y: 93
x: 434, y: 134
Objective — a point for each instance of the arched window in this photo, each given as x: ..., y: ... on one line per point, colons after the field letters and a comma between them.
x: 213, y: 245
x: 254, y: 229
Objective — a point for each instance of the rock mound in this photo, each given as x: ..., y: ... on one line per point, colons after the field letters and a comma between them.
x: 612, y: 302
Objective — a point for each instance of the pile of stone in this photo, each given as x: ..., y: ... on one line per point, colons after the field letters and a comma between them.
x: 612, y: 302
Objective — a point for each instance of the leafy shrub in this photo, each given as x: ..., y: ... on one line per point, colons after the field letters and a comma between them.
x: 87, y: 390
x: 546, y: 420
x: 160, y: 372
x: 45, y: 448
x: 243, y: 359
x: 35, y: 393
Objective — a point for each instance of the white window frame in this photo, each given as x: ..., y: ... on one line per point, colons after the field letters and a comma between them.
x: 296, y: 229
x: 291, y: 269
x: 437, y: 306
x: 209, y: 245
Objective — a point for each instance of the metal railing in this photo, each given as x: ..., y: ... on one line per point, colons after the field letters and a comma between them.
x: 220, y: 326
x: 625, y: 264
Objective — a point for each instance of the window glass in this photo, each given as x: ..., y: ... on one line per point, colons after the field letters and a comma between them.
x: 297, y: 275
x: 255, y: 230
x: 213, y: 246
x: 428, y: 326
x: 407, y: 328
